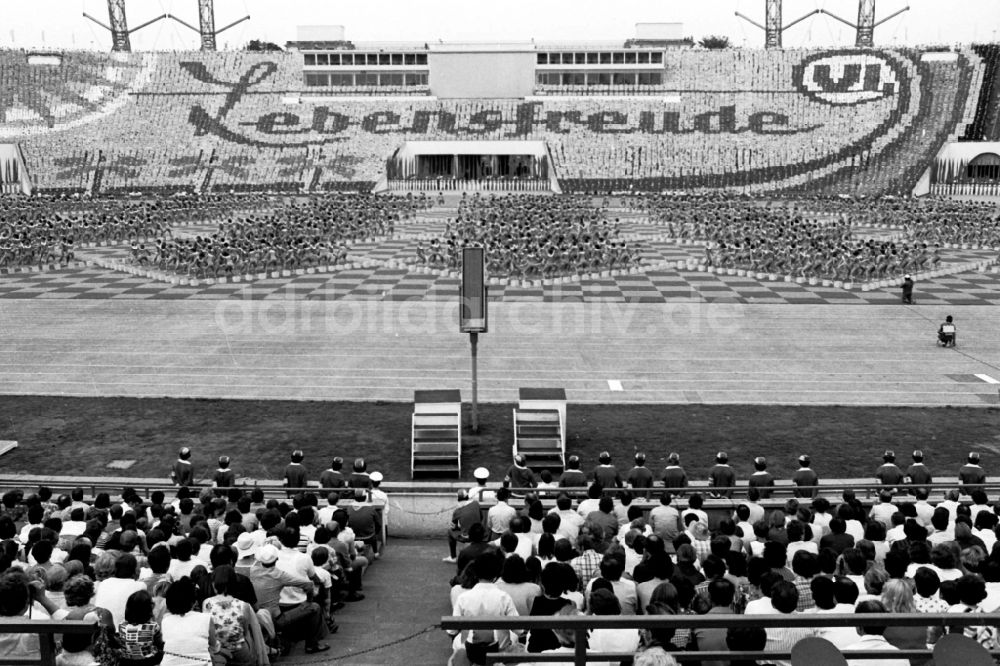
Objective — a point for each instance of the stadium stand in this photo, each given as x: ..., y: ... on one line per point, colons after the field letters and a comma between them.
x: 985, y: 125
x: 762, y: 121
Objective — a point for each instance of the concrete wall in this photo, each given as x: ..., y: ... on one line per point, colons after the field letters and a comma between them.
x: 473, y: 75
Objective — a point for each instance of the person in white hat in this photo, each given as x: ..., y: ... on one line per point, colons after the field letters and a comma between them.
x: 182, y: 472
x: 479, y: 491
x: 379, y: 498
x: 246, y: 551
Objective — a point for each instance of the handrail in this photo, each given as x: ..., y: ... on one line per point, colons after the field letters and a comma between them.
x: 582, y: 624
x: 46, y: 631
x: 781, y: 486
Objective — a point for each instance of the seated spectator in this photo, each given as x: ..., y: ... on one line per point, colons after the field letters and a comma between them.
x: 603, y: 602
x: 516, y: 581
x: 295, y: 622
x: 721, y: 592
x: 872, y: 638
x: 236, y: 628
x: 745, y: 639
x: 484, y: 598
x: 139, y: 635
x: 114, y: 593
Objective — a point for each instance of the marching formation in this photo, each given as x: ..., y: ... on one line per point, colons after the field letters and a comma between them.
x: 531, y: 236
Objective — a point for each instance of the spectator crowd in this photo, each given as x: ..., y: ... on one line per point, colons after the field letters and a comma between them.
x: 213, y: 575
x: 601, y: 550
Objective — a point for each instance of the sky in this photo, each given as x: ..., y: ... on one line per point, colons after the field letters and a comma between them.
x: 60, y: 24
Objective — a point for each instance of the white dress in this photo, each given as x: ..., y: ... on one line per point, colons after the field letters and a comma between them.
x: 185, y: 639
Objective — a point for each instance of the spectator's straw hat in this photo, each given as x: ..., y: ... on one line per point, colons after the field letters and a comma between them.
x: 376, y: 477
x: 268, y: 554
x: 481, y: 474
x: 245, y: 545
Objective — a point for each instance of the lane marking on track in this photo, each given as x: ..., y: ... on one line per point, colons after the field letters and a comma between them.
x: 988, y: 379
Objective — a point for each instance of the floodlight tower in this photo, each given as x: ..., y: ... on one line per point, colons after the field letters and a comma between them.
x: 118, y: 26
x: 866, y: 23
x: 120, y: 34
x: 865, y: 27
x: 206, y: 24
x: 772, y: 23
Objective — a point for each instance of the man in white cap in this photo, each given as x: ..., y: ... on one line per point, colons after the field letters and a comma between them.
x: 302, y: 621
x: 379, y: 498
x: 479, y: 491
x: 182, y: 472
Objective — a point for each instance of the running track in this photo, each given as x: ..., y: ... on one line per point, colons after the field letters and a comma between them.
x: 679, y: 352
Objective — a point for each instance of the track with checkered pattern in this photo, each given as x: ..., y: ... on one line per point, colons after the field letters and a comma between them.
x: 381, y: 328
x: 388, y: 278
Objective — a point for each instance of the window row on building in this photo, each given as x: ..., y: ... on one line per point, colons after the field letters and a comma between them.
x: 322, y: 79
x: 339, y: 59
x: 599, y: 78
x: 602, y: 58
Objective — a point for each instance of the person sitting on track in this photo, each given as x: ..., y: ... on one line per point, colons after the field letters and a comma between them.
x: 947, y: 332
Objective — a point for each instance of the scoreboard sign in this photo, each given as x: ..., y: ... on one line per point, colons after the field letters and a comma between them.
x: 472, y: 308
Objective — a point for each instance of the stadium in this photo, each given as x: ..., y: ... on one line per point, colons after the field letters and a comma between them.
x: 284, y: 325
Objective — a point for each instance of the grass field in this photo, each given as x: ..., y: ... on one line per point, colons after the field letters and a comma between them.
x: 80, y: 436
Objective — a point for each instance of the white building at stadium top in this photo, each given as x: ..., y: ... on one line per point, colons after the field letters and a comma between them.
x: 489, y: 70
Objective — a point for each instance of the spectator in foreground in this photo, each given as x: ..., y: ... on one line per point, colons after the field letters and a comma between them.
x: 139, y: 634
x: 872, y: 638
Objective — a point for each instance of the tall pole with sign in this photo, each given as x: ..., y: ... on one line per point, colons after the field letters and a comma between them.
x: 472, y: 313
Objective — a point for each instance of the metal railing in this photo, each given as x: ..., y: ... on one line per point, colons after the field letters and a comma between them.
x: 582, y: 624
x: 46, y: 630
